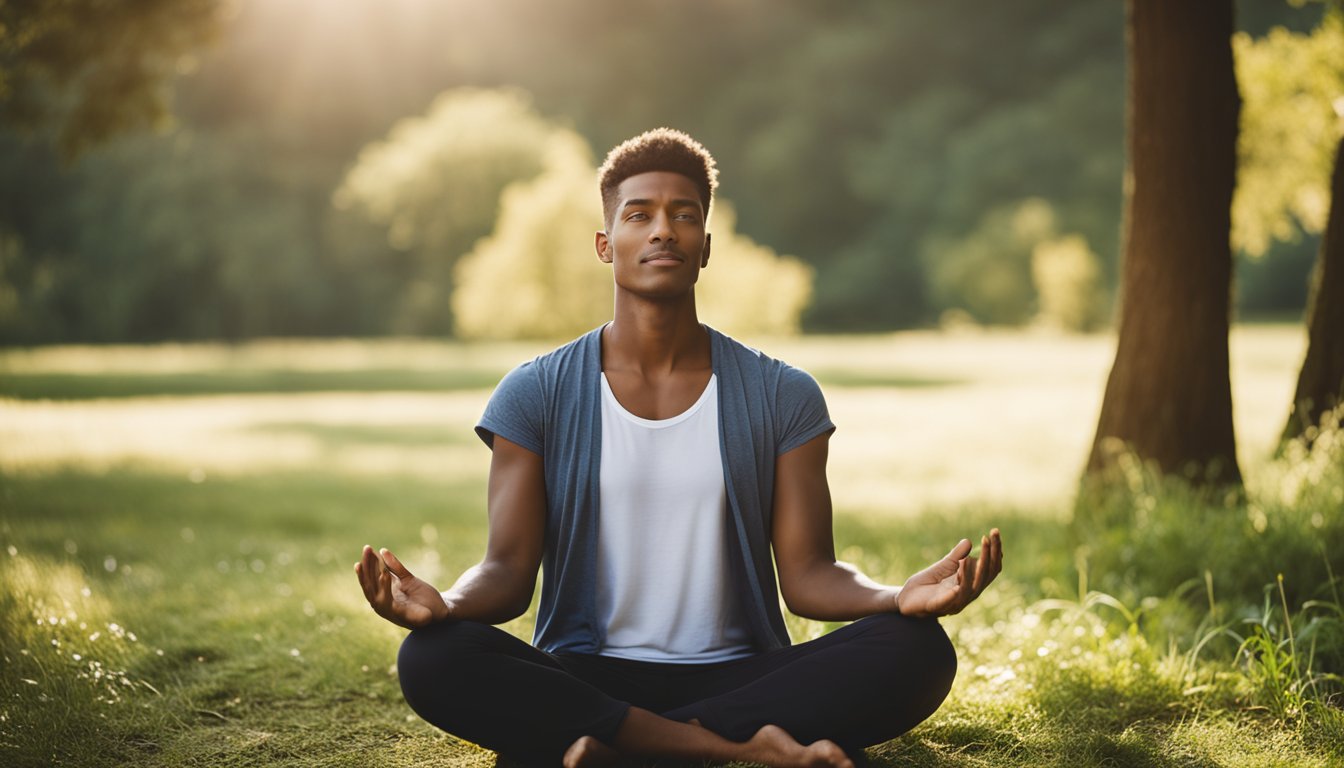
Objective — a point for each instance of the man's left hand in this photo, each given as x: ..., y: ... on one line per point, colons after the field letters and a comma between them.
x: 952, y: 583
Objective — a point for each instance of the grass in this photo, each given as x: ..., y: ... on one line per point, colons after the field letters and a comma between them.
x: 177, y: 586
x: 80, y: 386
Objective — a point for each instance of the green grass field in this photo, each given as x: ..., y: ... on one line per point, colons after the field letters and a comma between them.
x: 179, y: 525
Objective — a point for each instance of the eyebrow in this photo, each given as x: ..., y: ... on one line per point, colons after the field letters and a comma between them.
x: 644, y: 202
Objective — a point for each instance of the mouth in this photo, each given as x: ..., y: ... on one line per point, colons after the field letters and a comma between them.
x: 662, y: 257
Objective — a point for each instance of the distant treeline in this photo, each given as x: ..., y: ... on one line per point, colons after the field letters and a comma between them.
x: 926, y: 160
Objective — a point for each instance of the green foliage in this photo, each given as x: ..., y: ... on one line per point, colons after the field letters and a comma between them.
x: 1292, y: 86
x: 82, y: 87
x: 748, y: 289
x: 859, y: 139
x: 435, y: 184
x: 1278, y: 670
x: 1067, y: 276
x: 988, y: 272
x: 1016, y: 266
x: 538, y: 276
x: 1158, y: 535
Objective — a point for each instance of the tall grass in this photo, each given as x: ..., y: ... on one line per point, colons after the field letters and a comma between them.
x: 1249, y: 584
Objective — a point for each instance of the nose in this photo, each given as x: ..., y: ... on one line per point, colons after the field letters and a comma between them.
x: 662, y: 231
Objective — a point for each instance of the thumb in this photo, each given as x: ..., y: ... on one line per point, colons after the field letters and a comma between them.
x: 394, y: 565
x: 958, y: 553
x: 950, y: 563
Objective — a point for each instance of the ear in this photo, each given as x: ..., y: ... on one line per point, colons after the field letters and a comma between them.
x: 704, y: 256
x: 602, y: 243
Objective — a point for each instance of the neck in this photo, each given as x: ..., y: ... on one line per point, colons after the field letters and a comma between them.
x: 654, y: 337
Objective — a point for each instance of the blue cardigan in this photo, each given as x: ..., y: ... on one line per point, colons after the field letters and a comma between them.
x: 552, y: 406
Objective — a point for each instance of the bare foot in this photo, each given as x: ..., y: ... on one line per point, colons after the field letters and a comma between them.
x: 588, y: 752
x: 774, y: 747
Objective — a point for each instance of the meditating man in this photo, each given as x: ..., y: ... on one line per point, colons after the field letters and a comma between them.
x: 660, y: 473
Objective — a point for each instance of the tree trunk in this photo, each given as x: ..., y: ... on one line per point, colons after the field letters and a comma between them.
x: 1169, y: 397
x: 1320, y: 385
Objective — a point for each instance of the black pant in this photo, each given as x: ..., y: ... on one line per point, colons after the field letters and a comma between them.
x: 860, y: 685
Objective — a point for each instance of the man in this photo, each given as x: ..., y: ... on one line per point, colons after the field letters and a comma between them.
x: 652, y: 467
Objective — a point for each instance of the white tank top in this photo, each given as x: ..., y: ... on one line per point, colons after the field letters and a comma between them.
x: 663, y: 588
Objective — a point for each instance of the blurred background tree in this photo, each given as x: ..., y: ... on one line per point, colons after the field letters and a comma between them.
x: 85, y: 70
x: 1292, y: 137
x: 748, y: 289
x: 537, y: 276
x: 435, y: 184
x: 1293, y: 97
x: 1067, y: 275
x: 865, y: 138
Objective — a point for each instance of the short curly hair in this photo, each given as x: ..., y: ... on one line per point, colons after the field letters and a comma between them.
x: 661, y: 149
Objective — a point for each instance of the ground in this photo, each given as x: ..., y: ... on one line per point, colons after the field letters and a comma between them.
x: 180, y: 522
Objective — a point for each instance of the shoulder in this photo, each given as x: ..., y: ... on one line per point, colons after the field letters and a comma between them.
x: 524, y: 400
x: 543, y: 373
x: 566, y: 359
x: 781, y: 380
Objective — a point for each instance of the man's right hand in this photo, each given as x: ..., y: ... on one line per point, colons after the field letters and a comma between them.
x: 396, y: 594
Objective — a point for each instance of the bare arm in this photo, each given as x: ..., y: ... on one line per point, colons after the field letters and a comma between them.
x: 817, y: 586
x: 500, y: 587
x: 814, y: 584
x: 494, y: 590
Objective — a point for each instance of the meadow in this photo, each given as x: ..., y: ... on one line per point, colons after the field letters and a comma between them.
x: 179, y: 525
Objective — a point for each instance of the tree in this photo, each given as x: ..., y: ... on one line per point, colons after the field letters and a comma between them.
x: 1292, y: 134
x: 1320, y: 383
x: 1168, y: 397
x: 435, y: 184
x: 86, y: 70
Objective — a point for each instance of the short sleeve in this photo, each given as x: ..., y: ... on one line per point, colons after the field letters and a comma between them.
x: 516, y: 410
x: 800, y: 410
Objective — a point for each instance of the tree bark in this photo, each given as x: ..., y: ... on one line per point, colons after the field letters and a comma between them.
x: 1169, y: 398
x: 1320, y: 384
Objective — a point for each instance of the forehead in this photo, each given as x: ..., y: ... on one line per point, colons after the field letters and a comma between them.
x: 657, y: 186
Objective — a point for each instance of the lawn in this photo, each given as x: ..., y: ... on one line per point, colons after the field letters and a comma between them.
x: 179, y: 525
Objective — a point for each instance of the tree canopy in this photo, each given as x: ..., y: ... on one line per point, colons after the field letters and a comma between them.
x: 83, y: 71
x: 879, y: 142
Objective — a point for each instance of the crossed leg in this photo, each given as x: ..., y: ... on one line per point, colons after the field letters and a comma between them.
x: 817, y: 703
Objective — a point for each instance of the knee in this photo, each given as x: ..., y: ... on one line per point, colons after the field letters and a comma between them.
x: 938, y: 661
x: 920, y: 663
x: 432, y: 656
x: 919, y: 652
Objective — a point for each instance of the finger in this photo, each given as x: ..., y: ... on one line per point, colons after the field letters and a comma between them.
x: 965, y: 588
x: 990, y: 557
x: 960, y: 551
x: 996, y: 548
x: 376, y: 573
x: 367, y: 568
x: 394, y: 565
x: 954, y: 599
x: 363, y: 582
x: 384, y: 588
x: 981, y: 566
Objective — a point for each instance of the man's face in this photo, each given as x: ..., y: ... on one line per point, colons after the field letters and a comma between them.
x: 656, y: 241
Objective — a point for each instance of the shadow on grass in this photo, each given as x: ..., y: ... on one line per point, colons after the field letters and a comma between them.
x: 77, y: 386
x: 74, y: 386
